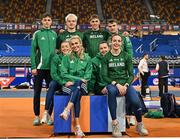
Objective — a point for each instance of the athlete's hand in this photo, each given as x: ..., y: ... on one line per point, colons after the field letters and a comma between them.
x: 122, y: 89
x: 69, y: 83
x: 104, y: 90
x: 34, y: 72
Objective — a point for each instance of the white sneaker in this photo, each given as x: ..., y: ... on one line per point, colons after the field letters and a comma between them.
x: 44, y: 119
x: 141, y: 129
x: 116, y: 130
x: 65, y: 114
x: 79, y: 132
x: 132, y: 120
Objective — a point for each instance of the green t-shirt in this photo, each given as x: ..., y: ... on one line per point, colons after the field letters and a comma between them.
x: 65, y: 36
x: 92, y: 40
x: 117, y: 68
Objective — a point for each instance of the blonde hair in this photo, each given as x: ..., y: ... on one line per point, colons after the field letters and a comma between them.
x: 81, y: 54
x: 66, y: 18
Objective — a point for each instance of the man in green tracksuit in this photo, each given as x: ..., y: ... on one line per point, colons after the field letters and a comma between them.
x: 96, y: 84
x: 94, y: 36
x: 113, y: 29
x: 42, y: 51
x: 71, y: 23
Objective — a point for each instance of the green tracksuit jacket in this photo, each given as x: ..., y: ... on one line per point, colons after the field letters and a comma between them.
x: 56, y: 68
x: 92, y: 39
x: 96, y: 83
x: 117, y: 68
x: 65, y: 36
x: 76, y: 69
x: 43, y: 48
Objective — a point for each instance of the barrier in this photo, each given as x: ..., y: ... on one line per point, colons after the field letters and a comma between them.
x: 94, y: 115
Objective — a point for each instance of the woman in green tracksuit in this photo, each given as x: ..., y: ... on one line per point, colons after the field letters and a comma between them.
x: 96, y: 84
x: 42, y: 51
x: 76, y: 70
x: 117, y: 72
x: 56, y: 83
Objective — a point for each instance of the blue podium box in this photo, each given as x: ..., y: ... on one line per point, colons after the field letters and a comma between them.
x: 94, y: 115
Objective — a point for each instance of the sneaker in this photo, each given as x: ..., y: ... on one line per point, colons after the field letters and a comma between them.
x: 116, y: 130
x: 78, y: 131
x: 50, y: 120
x: 132, y: 121
x: 44, y: 119
x: 141, y: 129
x: 65, y: 114
x: 36, y: 121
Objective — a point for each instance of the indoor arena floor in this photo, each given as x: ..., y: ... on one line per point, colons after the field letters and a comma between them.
x: 16, y: 117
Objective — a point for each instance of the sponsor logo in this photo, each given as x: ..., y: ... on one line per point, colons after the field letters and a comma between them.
x: 5, y: 81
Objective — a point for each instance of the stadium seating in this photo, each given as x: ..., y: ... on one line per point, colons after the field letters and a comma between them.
x: 125, y: 11
x: 167, y: 10
x: 2, y: 5
x: 82, y: 8
x: 27, y: 11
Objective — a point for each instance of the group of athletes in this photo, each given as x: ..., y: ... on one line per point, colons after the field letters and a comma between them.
x: 76, y: 63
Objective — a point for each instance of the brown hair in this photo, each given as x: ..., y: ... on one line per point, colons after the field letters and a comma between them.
x: 94, y: 16
x: 112, y: 21
x: 46, y: 15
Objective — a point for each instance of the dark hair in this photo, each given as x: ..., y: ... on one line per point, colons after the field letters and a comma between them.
x: 163, y: 57
x: 145, y: 54
x: 112, y: 21
x: 46, y: 15
x: 103, y: 42
x: 94, y: 16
